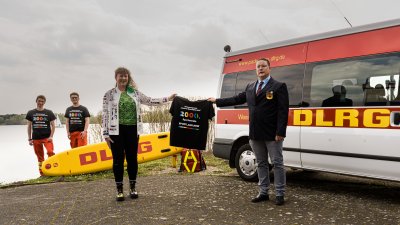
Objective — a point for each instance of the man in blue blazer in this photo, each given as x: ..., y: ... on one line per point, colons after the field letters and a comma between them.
x: 268, y: 104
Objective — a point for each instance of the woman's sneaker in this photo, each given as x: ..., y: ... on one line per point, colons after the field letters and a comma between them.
x: 120, y: 197
x: 133, y: 193
x: 120, y: 192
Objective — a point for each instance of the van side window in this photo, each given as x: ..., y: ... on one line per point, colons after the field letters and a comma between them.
x: 228, y: 86
x: 361, y: 81
x: 293, y: 77
x: 375, y: 95
x: 392, y: 85
x: 243, y: 79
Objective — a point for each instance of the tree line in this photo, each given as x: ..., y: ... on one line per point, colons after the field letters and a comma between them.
x: 12, y: 119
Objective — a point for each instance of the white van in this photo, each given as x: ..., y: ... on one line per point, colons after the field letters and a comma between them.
x: 359, y: 134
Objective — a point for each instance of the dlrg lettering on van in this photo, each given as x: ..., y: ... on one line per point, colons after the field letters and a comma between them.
x: 344, y: 96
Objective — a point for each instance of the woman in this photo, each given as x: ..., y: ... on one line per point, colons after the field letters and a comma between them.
x: 122, y: 126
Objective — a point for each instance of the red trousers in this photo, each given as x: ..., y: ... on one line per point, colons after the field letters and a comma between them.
x: 39, y: 151
x: 76, y: 140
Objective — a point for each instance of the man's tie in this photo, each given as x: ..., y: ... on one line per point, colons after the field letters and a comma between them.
x: 259, y: 88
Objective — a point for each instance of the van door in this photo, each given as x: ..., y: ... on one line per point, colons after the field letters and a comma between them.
x: 292, y: 76
x: 348, y: 128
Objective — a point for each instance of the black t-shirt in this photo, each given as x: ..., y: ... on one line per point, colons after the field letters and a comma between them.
x: 189, y: 124
x: 40, y: 123
x: 76, y: 116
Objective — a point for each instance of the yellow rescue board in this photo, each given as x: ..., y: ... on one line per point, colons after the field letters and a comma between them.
x: 98, y: 157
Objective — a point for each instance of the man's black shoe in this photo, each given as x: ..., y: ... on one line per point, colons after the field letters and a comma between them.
x: 279, y: 200
x: 260, y: 198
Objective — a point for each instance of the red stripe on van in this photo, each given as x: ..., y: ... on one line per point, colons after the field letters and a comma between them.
x: 323, y: 117
x: 282, y: 56
x: 361, y: 44
x: 239, y: 116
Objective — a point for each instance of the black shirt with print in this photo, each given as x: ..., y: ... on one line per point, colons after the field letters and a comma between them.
x: 40, y: 123
x: 189, y: 125
x: 76, y: 116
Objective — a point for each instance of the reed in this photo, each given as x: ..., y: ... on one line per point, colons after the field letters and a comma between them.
x: 95, y: 131
x: 158, y: 118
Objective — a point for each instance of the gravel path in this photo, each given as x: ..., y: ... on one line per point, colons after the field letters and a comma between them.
x: 311, y: 198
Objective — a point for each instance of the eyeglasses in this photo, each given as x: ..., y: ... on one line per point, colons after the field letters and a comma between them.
x: 74, y: 97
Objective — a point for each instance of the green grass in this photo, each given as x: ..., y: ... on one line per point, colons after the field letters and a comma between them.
x: 222, y: 165
x: 151, y: 167
x: 145, y: 169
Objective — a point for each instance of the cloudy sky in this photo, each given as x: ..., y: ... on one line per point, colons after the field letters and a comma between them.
x: 171, y: 46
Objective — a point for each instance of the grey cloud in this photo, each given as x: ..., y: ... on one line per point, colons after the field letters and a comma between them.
x: 203, y: 41
x: 55, y: 47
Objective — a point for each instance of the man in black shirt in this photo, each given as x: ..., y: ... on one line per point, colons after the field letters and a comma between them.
x: 77, y: 124
x: 41, y: 129
x: 189, y: 126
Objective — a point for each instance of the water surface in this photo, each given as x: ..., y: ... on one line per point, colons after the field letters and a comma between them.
x: 18, y: 160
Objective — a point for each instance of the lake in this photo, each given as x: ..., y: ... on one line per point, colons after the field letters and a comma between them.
x: 18, y: 161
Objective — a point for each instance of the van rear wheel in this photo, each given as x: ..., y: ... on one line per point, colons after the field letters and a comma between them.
x: 245, y: 163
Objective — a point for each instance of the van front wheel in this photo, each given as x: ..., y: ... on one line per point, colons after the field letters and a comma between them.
x: 245, y: 163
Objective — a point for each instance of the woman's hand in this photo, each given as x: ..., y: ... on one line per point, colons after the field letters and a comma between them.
x: 109, y: 141
x: 170, y: 98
